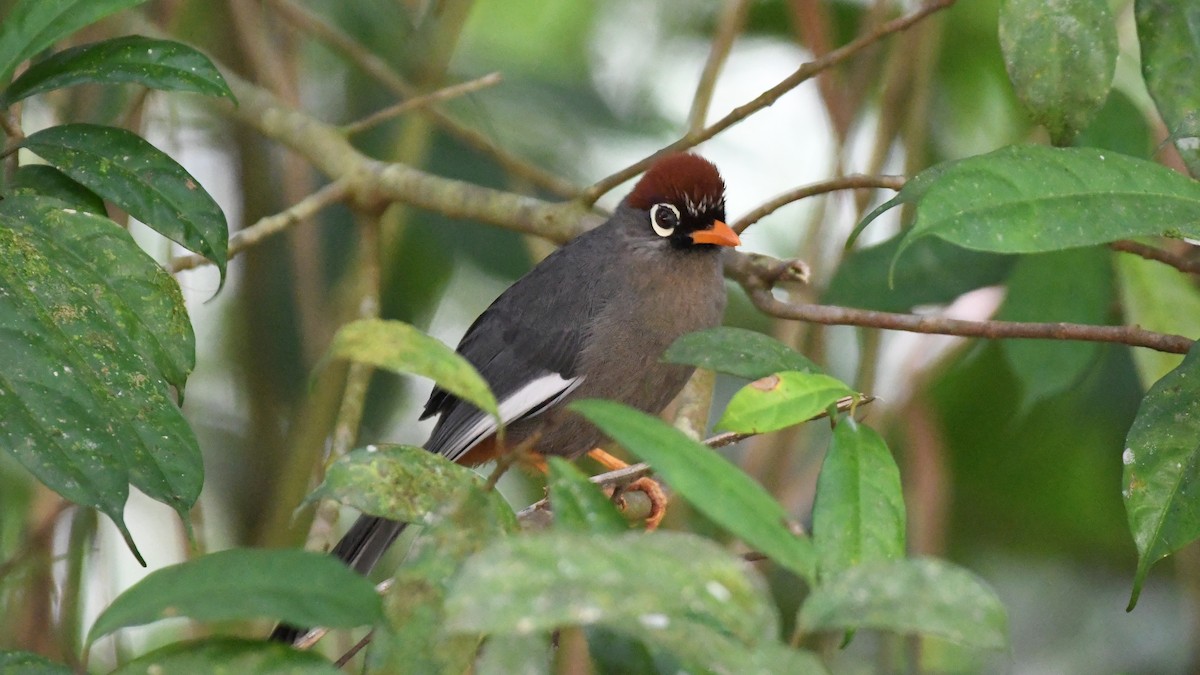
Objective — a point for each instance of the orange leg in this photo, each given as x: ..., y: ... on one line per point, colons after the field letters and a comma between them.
x: 646, y: 485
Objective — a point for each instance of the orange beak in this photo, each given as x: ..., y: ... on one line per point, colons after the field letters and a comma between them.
x: 719, y: 234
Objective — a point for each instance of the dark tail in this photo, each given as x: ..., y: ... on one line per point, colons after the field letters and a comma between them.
x: 364, y: 544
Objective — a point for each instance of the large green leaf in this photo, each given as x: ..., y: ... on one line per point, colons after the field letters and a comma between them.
x: 225, y: 655
x: 1169, y: 35
x: 1157, y: 297
x: 123, y: 168
x: 399, y: 347
x: 1031, y: 199
x: 46, y: 181
x: 93, y: 331
x: 781, y: 400
x: 924, y: 596
x: 1162, y: 468
x: 713, y: 485
x: 1060, y: 56
x: 578, y: 503
x: 737, y: 351
x: 1074, y: 286
x: 858, y: 515
x: 159, y: 64
x: 628, y: 582
x: 401, y: 482
x: 297, y: 587
x: 34, y: 25
x: 414, y: 639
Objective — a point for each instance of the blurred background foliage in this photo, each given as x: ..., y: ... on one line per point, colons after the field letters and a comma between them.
x: 1018, y: 483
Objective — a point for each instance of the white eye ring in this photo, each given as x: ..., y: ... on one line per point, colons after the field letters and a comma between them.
x: 663, y: 218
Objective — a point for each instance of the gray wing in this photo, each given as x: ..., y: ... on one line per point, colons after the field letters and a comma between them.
x: 526, y: 345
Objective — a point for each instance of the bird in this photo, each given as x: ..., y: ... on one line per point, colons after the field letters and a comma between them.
x: 591, y: 320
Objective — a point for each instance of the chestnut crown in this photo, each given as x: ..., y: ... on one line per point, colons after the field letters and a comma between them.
x: 683, y: 195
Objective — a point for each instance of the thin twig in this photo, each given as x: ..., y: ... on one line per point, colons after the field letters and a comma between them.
x: 768, y: 97
x: 10, y: 124
x: 358, y: 647
x: 379, y: 69
x: 271, y: 225
x: 358, y: 379
x: 850, y: 182
x: 1187, y: 264
x: 729, y: 25
x: 418, y: 102
x: 1133, y: 336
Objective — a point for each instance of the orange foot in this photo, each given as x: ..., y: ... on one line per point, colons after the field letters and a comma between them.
x: 646, y: 485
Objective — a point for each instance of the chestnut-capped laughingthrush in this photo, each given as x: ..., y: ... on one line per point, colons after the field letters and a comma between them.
x: 592, y: 320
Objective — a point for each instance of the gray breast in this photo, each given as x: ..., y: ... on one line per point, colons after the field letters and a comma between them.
x: 621, y: 359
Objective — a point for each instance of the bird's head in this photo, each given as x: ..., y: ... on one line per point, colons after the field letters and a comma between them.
x: 681, y: 199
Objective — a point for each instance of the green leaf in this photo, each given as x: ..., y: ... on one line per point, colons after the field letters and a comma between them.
x: 1073, y: 286
x: 400, y: 482
x: 701, y: 649
x: 1157, y: 297
x: 858, y: 515
x: 1169, y: 35
x: 926, y: 596
x: 913, y: 192
x: 578, y: 503
x: 737, y: 351
x: 933, y: 272
x: 1033, y: 199
x: 34, y: 25
x: 229, y: 655
x: 28, y: 663
x: 93, y: 332
x: 297, y: 587
x: 414, y: 638
x: 46, y: 181
x: 616, y: 653
x: 709, y: 482
x: 399, y: 347
x: 781, y: 400
x: 1162, y: 468
x: 515, y: 655
x: 138, y: 177
x: 158, y: 64
x: 1060, y: 56
x: 1120, y: 126
x: 627, y: 581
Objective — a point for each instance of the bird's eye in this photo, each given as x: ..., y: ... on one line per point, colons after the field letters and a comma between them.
x: 664, y: 218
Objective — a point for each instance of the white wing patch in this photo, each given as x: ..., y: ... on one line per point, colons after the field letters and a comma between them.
x: 530, y: 400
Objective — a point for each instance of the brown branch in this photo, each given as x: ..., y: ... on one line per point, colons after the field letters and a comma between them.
x: 358, y: 378
x: 379, y: 69
x: 411, y: 104
x: 768, y: 97
x: 1182, y: 263
x: 350, y: 653
x: 270, y: 225
x: 850, y: 182
x: 374, y: 183
x: 10, y: 124
x: 847, y: 316
x: 729, y: 25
